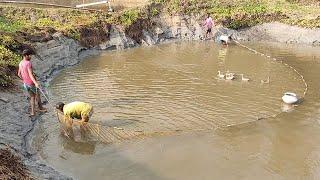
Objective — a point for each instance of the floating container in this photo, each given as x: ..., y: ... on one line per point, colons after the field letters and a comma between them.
x: 290, y: 98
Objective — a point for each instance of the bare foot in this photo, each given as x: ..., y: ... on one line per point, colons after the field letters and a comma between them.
x: 31, y: 114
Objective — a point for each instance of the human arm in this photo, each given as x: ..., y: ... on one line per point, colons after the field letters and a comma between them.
x: 68, y: 120
x: 19, y: 72
x: 84, y: 119
x: 86, y: 113
x: 204, y: 23
x: 32, y: 76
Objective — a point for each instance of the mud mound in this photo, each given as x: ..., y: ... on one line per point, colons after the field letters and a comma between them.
x: 93, y: 36
x: 135, y: 31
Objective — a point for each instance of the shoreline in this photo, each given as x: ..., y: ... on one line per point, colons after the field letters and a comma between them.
x: 62, y: 52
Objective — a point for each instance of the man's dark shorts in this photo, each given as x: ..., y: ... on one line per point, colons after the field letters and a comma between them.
x: 30, y: 88
x: 208, y: 30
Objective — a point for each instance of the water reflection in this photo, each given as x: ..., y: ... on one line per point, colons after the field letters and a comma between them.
x: 287, y: 107
x: 76, y: 146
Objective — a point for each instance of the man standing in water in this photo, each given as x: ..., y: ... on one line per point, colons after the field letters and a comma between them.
x: 209, y: 24
x: 30, y: 84
x: 75, y: 110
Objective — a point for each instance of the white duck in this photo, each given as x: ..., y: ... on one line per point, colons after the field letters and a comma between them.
x: 228, y: 73
x: 220, y: 75
x: 244, y: 79
x: 266, y: 81
x: 290, y: 98
x: 229, y: 76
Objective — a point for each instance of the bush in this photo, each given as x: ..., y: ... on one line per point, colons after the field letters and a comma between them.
x: 129, y: 17
x: 9, y: 26
x: 8, y: 58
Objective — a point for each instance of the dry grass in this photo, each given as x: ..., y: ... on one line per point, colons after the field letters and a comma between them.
x: 11, y: 166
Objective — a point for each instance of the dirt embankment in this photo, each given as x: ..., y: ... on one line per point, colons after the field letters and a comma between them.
x: 278, y: 32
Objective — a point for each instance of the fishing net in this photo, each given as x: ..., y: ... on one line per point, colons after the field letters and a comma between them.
x: 105, y: 134
x: 91, y: 131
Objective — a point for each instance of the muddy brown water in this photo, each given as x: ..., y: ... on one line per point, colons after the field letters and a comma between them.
x: 174, y: 87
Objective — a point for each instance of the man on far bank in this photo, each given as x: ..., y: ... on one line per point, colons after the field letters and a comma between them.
x: 30, y: 83
x: 209, y: 24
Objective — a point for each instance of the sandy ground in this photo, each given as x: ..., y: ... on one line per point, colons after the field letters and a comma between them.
x: 15, y: 126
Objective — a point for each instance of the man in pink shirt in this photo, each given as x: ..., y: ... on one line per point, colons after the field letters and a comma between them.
x: 209, y: 24
x: 29, y: 81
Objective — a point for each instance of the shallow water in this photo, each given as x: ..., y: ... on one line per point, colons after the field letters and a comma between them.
x: 174, y: 87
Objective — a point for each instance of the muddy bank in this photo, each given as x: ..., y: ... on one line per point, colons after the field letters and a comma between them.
x: 278, y: 32
x: 60, y: 52
x: 11, y: 166
x: 16, y: 125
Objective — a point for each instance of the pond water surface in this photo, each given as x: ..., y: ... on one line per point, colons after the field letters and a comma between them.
x: 221, y: 129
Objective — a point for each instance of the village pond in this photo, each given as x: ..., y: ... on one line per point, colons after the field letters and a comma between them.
x: 197, y: 126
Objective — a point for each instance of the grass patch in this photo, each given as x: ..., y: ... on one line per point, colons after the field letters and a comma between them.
x: 22, y: 26
x: 245, y: 13
x: 7, y: 59
x: 129, y: 17
x: 8, y: 26
x: 14, y: 19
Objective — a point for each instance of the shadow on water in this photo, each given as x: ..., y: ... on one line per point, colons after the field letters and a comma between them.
x: 81, y: 147
x: 97, y: 164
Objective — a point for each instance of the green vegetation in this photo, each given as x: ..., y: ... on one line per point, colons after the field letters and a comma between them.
x: 13, y: 19
x: 7, y: 26
x: 7, y: 59
x: 129, y: 17
x: 245, y: 13
x: 19, y: 24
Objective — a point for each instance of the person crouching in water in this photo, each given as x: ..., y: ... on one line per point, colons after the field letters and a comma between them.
x: 30, y: 83
x: 75, y: 110
x: 224, y: 39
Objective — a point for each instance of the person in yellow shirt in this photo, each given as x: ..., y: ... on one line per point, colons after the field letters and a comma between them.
x: 75, y: 110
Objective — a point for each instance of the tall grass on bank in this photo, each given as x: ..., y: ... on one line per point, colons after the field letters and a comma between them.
x: 238, y: 14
